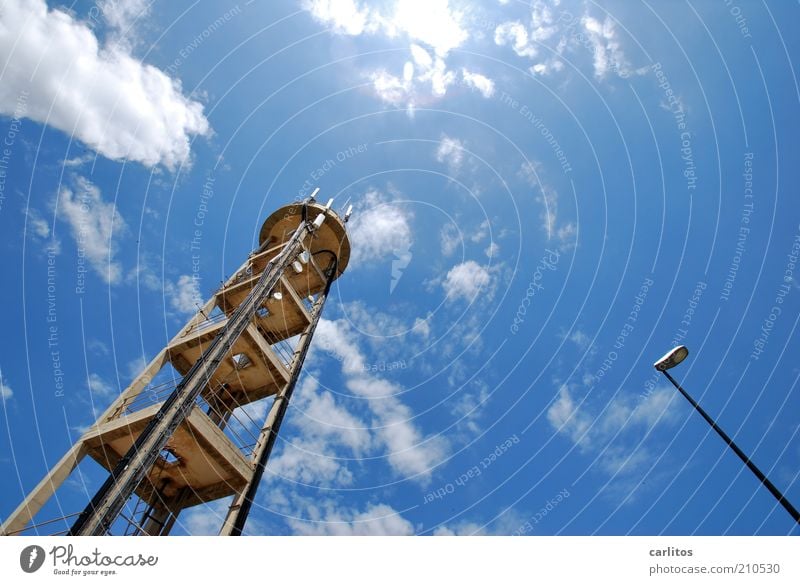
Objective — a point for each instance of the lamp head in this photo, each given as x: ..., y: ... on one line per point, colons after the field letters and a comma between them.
x: 672, y: 358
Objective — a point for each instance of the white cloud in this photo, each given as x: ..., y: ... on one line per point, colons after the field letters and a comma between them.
x: 330, y: 436
x: 542, y: 21
x: 205, y: 519
x: 565, y: 417
x: 373, y: 322
x: 439, y: 77
x: 580, y: 339
x: 390, y: 89
x: 323, y: 417
x: 94, y: 225
x: 184, y: 294
x: 450, y: 238
x: 123, y: 16
x: 481, y: 231
x: 431, y: 78
x: 5, y: 390
x: 345, y: 16
x: 468, y: 404
x: 451, y: 152
x: 378, y: 230
x: 325, y: 518
x: 516, y: 35
x: 604, y: 432
x: 118, y: 106
x: 409, y: 452
x: 506, y: 523
x: 480, y: 82
x: 547, y: 37
x: 312, y: 463
x: 39, y: 227
x: 422, y: 327
x: 421, y: 57
x: 335, y: 339
x: 134, y: 366
x: 431, y: 22
x: 79, y: 160
x: 144, y: 275
x: 423, y: 22
x: 461, y: 529
x: 466, y: 280
x: 565, y: 234
x: 325, y: 427
x: 99, y: 387
x: 607, y: 50
x: 492, y: 250
x: 547, y: 67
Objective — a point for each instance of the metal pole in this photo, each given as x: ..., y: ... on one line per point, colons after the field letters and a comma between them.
x: 240, y: 507
x: 752, y: 466
x: 105, y: 506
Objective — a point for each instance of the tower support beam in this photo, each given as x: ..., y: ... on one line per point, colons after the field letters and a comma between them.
x: 246, y: 343
x: 20, y: 517
x: 243, y: 501
x: 105, y: 506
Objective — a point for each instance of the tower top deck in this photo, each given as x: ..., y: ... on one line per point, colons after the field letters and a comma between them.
x: 331, y: 235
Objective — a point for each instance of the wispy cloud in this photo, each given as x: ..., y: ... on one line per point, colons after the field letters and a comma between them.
x: 466, y: 281
x: 326, y: 428
x: 450, y: 151
x: 551, y: 32
x: 565, y: 233
x: 99, y: 387
x: 409, y: 451
x: 184, y: 294
x: 124, y: 18
x: 326, y: 517
x: 39, y: 230
x: 95, y: 226
x: 380, y: 229
x: 450, y: 239
x: 479, y: 82
x: 515, y: 35
x: 614, y: 433
x: 5, y: 389
x: 433, y: 28
x: 606, y: 47
x: 431, y: 22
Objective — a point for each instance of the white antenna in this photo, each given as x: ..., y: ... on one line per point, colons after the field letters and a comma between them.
x: 347, y: 213
x: 330, y: 202
x: 313, y: 195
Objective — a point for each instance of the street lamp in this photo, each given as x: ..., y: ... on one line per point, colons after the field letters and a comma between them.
x: 672, y: 359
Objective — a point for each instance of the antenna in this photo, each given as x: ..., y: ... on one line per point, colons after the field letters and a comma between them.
x: 348, y: 213
x: 313, y: 195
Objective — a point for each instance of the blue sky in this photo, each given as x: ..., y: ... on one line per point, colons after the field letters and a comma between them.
x: 548, y: 196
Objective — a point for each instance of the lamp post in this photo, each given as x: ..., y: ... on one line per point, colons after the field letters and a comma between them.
x: 672, y: 359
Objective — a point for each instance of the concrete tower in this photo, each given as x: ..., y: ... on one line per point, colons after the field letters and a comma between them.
x: 168, y: 446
